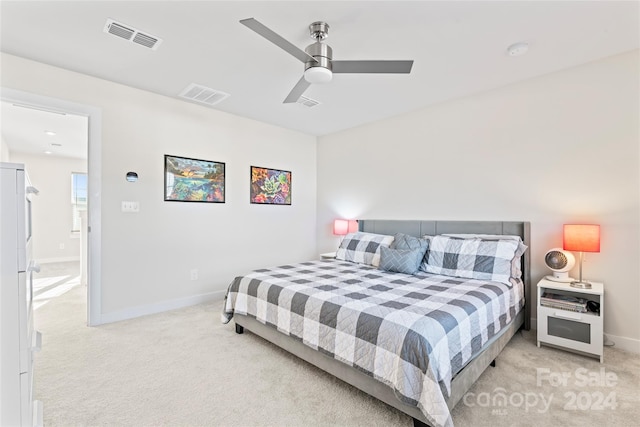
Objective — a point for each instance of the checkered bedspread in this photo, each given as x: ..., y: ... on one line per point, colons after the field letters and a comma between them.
x: 413, y: 333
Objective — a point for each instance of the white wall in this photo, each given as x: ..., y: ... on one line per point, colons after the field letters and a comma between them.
x: 52, y: 221
x: 5, y: 155
x: 559, y: 148
x: 147, y: 257
x: 556, y: 149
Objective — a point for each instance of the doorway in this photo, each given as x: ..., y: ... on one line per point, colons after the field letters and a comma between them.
x: 93, y: 222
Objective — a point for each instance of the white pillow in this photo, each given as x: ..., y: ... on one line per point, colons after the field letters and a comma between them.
x: 491, y: 259
x: 363, y: 248
x: 516, y: 271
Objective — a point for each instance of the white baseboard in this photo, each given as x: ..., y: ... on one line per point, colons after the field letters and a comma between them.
x: 143, y: 310
x: 59, y: 259
x: 622, y: 343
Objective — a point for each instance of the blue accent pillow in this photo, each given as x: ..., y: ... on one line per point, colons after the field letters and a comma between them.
x: 405, y: 261
x: 406, y: 241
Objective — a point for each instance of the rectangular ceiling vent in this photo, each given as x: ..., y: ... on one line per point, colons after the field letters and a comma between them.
x: 203, y: 94
x: 307, y: 102
x: 131, y: 34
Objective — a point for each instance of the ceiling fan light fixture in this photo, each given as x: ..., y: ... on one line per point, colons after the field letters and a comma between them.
x: 318, y: 75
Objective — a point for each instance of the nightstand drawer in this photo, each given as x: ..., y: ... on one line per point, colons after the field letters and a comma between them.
x: 580, y: 331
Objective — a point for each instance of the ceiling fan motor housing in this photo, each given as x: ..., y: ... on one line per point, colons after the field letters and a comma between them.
x: 322, y: 53
x: 318, y: 71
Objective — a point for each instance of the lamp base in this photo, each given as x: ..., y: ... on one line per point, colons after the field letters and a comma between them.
x: 581, y: 285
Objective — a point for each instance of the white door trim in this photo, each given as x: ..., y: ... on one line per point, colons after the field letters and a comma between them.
x: 94, y: 115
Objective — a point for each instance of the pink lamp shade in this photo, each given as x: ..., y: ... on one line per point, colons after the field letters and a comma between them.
x: 581, y: 237
x: 342, y: 227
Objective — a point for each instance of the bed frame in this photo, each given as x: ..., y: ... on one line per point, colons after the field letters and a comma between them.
x: 463, y: 381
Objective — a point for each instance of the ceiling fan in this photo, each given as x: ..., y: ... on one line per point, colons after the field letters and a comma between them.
x: 319, y: 65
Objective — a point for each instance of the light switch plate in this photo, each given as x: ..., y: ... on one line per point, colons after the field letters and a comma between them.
x: 133, y: 207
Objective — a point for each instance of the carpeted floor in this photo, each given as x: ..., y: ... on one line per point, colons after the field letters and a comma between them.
x: 184, y: 368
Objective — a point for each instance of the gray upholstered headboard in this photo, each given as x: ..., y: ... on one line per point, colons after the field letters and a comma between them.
x: 421, y: 228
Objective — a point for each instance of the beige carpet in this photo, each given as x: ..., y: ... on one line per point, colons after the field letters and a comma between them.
x: 184, y: 368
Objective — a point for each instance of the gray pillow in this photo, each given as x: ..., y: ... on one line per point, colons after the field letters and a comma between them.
x: 405, y: 261
x: 406, y: 241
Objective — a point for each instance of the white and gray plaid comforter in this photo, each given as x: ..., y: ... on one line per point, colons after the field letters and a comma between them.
x: 411, y: 332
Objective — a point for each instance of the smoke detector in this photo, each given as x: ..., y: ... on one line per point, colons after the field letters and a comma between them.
x: 518, y: 49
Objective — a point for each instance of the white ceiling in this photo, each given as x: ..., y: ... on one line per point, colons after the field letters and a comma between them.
x: 34, y: 131
x: 459, y: 48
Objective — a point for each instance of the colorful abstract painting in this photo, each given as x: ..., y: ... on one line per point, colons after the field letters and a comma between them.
x: 270, y: 186
x: 193, y: 180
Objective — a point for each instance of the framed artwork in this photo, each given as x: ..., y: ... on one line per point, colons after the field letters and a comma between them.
x: 193, y: 180
x: 270, y: 186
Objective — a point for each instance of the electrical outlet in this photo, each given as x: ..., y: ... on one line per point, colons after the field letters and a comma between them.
x: 194, y: 274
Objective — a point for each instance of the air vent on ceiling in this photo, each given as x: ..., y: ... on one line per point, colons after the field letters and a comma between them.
x: 202, y: 94
x: 307, y: 102
x: 131, y: 34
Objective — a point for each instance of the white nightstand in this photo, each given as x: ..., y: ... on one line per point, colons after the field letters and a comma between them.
x: 328, y: 255
x: 573, y: 330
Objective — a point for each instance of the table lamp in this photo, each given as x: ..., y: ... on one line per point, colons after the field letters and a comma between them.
x: 581, y: 238
x: 342, y: 227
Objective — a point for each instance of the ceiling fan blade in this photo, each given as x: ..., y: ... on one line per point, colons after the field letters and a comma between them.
x: 276, y: 39
x: 297, y: 91
x: 401, y: 67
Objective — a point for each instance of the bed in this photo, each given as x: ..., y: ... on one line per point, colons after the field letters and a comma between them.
x: 415, y: 341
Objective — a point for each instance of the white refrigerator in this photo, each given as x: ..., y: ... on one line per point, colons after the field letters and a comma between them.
x: 18, y: 339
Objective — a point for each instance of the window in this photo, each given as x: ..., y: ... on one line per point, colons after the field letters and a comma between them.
x: 78, y: 198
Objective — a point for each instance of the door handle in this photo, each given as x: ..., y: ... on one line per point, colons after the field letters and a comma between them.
x: 568, y: 315
x: 34, y: 266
